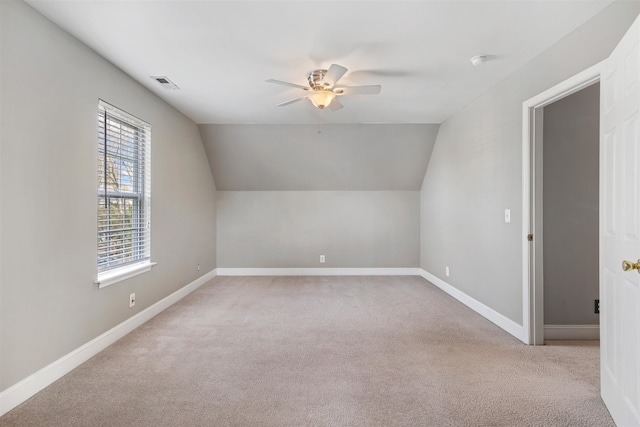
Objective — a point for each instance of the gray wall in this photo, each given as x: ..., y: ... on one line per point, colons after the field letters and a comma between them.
x: 571, y: 147
x: 319, y: 157
x: 475, y: 171
x: 293, y: 228
x: 50, y: 88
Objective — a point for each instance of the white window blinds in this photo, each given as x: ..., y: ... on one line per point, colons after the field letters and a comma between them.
x: 124, y: 189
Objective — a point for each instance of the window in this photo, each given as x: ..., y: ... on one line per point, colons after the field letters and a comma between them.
x: 124, y: 190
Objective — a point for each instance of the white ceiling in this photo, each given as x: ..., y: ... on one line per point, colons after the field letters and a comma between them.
x: 220, y: 52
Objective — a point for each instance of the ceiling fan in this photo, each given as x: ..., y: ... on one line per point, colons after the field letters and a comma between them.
x: 322, y: 90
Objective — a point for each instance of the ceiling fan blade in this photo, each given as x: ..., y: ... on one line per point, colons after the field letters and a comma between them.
x: 291, y: 101
x: 335, y: 105
x: 279, y: 82
x: 383, y: 72
x: 360, y: 90
x: 334, y: 73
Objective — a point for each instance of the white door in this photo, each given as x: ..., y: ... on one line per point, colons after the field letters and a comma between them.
x: 620, y: 230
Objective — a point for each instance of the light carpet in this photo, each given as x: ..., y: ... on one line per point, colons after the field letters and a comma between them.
x: 323, y: 351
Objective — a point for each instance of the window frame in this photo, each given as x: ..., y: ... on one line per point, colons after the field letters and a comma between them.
x: 124, y: 147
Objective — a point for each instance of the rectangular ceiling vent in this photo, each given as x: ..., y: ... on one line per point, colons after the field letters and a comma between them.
x: 165, y: 82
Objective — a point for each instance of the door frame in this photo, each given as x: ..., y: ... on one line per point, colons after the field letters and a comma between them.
x: 532, y: 275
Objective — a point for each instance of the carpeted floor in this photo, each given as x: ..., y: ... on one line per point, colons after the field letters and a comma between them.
x: 323, y: 351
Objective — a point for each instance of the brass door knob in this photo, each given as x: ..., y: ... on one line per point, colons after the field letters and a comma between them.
x: 628, y: 265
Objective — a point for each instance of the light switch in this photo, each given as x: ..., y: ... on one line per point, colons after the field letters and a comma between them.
x: 507, y: 216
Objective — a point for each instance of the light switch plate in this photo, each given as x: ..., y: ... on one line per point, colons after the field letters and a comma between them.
x: 507, y: 216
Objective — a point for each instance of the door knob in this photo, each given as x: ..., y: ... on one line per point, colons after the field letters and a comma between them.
x: 628, y: 265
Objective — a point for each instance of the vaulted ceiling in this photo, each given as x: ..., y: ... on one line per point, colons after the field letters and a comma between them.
x: 319, y: 157
x: 219, y: 53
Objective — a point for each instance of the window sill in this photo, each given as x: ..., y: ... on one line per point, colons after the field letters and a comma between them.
x: 124, y: 273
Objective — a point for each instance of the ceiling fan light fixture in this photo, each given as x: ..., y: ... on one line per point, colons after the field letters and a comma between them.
x: 321, y: 98
x: 322, y: 90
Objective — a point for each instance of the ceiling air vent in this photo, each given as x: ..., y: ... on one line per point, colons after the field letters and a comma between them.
x: 165, y: 82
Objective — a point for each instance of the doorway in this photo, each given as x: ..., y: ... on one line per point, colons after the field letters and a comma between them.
x: 533, y: 224
x: 619, y: 234
x: 570, y: 148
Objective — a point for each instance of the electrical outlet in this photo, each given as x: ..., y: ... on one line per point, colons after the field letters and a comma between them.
x: 321, y: 258
x: 597, y: 306
x: 132, y: 300
x: 446, y: 271
x: 198, y: 267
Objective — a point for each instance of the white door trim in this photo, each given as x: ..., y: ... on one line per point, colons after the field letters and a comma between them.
x: 532, y: 320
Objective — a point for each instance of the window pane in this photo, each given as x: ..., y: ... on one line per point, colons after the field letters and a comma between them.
x: 123, y: 190
x: 119, y: 237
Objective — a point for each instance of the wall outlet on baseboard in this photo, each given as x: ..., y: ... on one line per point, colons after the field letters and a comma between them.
x: 597, y: 306
x: 446, y: 271
x: 132, y: 300
x: 321, y: 258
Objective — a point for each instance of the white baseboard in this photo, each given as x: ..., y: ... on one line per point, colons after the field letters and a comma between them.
x: 318, y: 271
x: 571, y: 332
x: 490, y: 314
x: 20, y: 392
